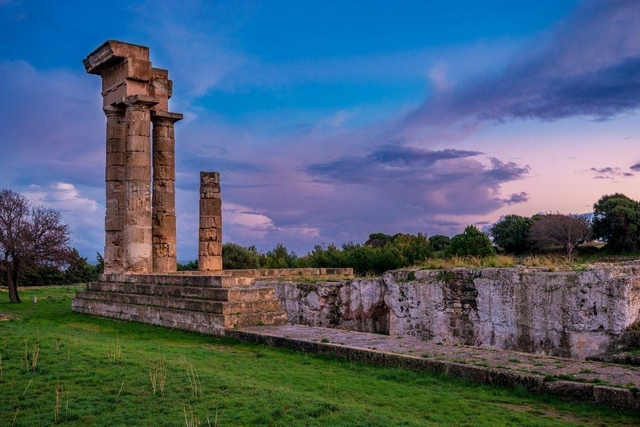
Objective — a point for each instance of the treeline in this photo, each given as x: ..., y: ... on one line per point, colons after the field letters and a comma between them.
x: 615, y: 222
x: 78, y: 270
x: 380, y: 253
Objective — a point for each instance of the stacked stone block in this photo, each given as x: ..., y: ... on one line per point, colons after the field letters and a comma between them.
x: 137, y: 218
x: 207, y: 304
x: 210, y: 232
x: 115, y: 179
x: 140, y: 228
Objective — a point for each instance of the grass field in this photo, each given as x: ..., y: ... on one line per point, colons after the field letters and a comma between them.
x: 60, y: 367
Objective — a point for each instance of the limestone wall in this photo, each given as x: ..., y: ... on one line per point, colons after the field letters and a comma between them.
x: 570, y: 314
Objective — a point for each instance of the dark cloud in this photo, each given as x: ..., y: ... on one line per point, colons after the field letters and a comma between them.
x: 517, y: 198
x: 399, y: 155
x: 635, y: 167
x: 430, y: 182
x: 609, y: 173
x: 387, y: 162
x: 504, y: 172
x: 592, y: 69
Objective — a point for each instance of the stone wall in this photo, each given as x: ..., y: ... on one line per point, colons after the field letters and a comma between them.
x: 571, y: 314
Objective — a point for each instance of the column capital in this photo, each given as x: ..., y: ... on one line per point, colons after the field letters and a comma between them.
x: 138, y: 100
x: 160, y: 116
x: 113, y: 110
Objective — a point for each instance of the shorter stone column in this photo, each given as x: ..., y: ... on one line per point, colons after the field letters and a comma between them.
x: 210, y: 233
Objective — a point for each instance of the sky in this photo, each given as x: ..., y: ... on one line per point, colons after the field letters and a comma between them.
x: 332, y: 120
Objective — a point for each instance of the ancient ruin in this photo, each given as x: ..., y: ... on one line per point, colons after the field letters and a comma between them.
x: 576, y: 314
x: 140, y: 231
x: 210, y: 230
x: 570, y: 314
x: 140, y: 281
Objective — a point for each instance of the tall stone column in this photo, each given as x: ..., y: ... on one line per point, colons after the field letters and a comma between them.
x: 210, y: 233
x: 137, y: 235
x: 115, y: 177
x: 163, y: 202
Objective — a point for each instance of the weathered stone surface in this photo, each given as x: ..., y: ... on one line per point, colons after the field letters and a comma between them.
x: 569, y: 314
x: 131, y: 88
x: 210, y: 232
x: 163, y: 209
x: 356, y: 305
x: 202, y: 303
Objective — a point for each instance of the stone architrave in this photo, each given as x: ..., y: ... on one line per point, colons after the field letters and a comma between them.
x: 210, y: 233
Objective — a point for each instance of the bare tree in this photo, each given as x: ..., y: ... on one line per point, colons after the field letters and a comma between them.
x: 29, y: 237
x: 565, y: 231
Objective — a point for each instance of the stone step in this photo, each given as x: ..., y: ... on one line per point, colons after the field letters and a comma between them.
x: 191, y: 292
x: 209, y: 306
x: 201, y: 281
x: 290, y: 272
x: 207, y: 323
x: 622, y: 358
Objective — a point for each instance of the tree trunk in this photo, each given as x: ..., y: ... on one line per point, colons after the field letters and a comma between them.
x: 12, y: 284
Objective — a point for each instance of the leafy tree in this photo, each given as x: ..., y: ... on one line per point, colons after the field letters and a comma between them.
x: 238, y: 257
x: 30, y: 237
x: 80, y: 271
x: 472, y: 242
x: 511, y: 233
x: 412, y: 249
x: 76, y: 270
x: 378, y: 240
x: 189, y: 266
x: 439, y: 242
x: 327, y: 257
x: 616, y: 221
x: 565, y: 231
x: 279, y: 257
x: 42, y: 276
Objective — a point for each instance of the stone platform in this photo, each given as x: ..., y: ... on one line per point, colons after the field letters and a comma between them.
x: 204, y: 302
x: 616, y: 386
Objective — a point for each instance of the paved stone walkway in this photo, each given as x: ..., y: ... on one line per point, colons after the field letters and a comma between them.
x: 609, y: 384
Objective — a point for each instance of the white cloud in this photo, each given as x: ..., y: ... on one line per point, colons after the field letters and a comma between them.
x: 85, y: 216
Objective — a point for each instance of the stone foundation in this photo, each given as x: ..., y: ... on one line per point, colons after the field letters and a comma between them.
x: 197, y: 301
x: 567, y: 314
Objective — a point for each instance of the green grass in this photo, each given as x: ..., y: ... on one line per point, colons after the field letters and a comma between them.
x: 99, y: 372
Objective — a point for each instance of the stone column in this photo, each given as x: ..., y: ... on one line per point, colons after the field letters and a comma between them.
x: 163, y: 203
x: 115, y: 176
x: 210, y: 233
x: 137, y: 215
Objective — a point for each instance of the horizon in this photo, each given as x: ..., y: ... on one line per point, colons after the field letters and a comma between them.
x: 329, y: 122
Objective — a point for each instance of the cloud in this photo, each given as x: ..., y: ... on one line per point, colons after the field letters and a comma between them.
x: 517, y: 198
x: 636, y: 167
x: 84, y: 215
x: 391, y: 164
x: 51, y: 121
x: 610, y: 173
x: 588, y: 66
x: 194, y: 42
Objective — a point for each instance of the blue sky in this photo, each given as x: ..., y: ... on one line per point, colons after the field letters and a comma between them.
x: 333, y: 120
